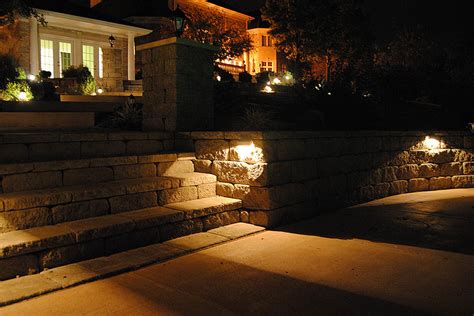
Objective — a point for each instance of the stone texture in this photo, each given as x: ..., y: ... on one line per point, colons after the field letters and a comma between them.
x: 463, y: 181
x: 24, y: 219
x: 132, y: 202
x: 134, y: 171
x: 428, y: 170
x: 451, y: 169
x: 140, y: 147
x: 15, y: 168
x: 80, y: 210
x: 419, y: 184
x: 65, y: 255
x: 176, y: 167
x: 407, y: 172
x: 88, y: 176
x: 113, y: 161
x: 366, y: 194
x: 440, y: 183
x: 102, y: 149
x: 468, y: 168
x: 177, y: 195
x: 171, y: 231
x: 13, y: 153
x: 56, y: 151
x: 398, y: 187
x: 194, y: 178
x: 221, y: 219
x: 31, y: 181
x: 236, y: 230
x: 204, y: 166
x: 441, y: 156
x: 99, y: 227
x: 18, y: 266
x: 225, y: 189
x: 241, y: 172
x: 212, y: 149
x: 97, y: 192
x: 61, y: 165
x: 196, y: 241
x: 153, y: 217
x: 206, y: 206
x: 389, y: 174
x: 206, y: 190
x: 149, y: 184
x: 158, y: 158
x: 19, y: 201
x: 381, y: 190
x: 131, y: 240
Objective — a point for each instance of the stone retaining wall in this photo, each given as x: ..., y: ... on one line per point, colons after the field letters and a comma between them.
x: 286, y: 176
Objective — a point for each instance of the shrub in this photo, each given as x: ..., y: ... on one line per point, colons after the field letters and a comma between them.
x: 225, y: 75
x: 258, y: 120
x: 263, y: 77
x: 128, y: 116
x: 44, y: 90
x: 43, y: 74
x: 85, y: 80
x: 245, y: 77
x: 8, y: 70
x: 14, y: 88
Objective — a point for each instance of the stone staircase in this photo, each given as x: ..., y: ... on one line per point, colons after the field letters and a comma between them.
x: 59, y: 212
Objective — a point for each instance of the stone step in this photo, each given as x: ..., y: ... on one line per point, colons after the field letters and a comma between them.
x: 54, y: 174
x: 33, y: 250
x: 24, y: 210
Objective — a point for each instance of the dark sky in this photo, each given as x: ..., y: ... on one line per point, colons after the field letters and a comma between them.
x: 448, y: 21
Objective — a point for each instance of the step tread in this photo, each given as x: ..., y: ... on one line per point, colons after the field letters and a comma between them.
x: 206, y: 206
x: 21, y: 242
x: 62, y: 195
x: 193, y: 178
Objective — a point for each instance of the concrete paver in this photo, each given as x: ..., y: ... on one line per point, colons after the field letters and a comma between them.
x: 384, y: 257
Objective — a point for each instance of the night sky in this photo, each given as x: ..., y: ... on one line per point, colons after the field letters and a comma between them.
x: 448, y: 21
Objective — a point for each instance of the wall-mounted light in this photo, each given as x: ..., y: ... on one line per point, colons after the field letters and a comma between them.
x: 249, y: 153
x: 179, y: 21
x: 431, y: 143
x: 112, y: 40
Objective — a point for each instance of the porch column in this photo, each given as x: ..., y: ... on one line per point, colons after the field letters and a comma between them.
x: 34, y: 47
x: 131, y: 57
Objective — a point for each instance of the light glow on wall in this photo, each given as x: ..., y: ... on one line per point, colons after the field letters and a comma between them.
x: 431, y: 143
x: 249, y: 153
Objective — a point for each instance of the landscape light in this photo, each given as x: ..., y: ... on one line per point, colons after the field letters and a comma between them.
x: 22, y: 96
x: 100, y: 91
x: 268, y: 89
x: 249, y: 153
x: 276, y: 81
x: 219, y: 78
x: 287, y: 77
x: 431, y: 143
x: 31, y: 77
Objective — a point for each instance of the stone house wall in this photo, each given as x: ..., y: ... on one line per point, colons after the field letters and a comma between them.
x: 294, y: 175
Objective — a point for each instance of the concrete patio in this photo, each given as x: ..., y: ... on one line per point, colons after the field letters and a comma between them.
x: 405, y: 254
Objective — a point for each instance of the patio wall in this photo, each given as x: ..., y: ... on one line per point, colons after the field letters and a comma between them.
x: 293, y: 175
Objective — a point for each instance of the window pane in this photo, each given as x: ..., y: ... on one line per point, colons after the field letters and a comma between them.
x: 65, y: 54
x: 46, y: 56
x: 270, y: 41
x: 264, y: 41
x: 88, y: 57
x: 101, y: 63
x: 270, y: 64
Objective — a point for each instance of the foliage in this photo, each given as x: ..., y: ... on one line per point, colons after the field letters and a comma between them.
x: 245, y: 77
x: 307, y: 30
x: 258, y: 119
x: 44, y: 90
x: 10, y: 10
x: 224, y: 74
x: 211, y: 27
x: 85, y: 80
x: 263, y: 77
x: 128, y: 116
x: 21, y: 73
x: 44, y: 74
x: 14, y: 88
x: 8, y: 70
x: 282, y: 78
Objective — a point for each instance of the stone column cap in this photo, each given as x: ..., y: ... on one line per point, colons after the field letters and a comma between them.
x: 177, y: 41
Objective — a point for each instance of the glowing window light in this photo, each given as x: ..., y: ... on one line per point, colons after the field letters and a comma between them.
x: 431, y: 143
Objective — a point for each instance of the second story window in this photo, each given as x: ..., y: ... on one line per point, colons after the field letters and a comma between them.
x: 264, y: 40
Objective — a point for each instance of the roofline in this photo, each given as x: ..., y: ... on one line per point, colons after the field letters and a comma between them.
x: 126, y: 28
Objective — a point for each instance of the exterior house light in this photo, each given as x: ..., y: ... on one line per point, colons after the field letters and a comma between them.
x: 112, y: 40
x: 179, y: 21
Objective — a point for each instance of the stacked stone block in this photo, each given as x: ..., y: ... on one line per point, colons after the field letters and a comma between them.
x: 298, y: 174
x: 177, y: 85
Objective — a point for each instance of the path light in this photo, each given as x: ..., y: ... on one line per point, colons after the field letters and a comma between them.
x: 112, y: 40
x: 268, y: 89
x: 431, y: 143
x: 276, y: 81
x: 22, y: 96
x: 31, y: 77
x: 100, y: 91
x: 219, y: 78
x: 179, y: 21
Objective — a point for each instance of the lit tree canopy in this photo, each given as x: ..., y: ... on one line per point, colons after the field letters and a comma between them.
x: 310, y: 29
x: 10, y: 10
x: 212, y: 28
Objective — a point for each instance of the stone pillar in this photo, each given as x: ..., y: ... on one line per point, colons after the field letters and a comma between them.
x: 131, y: 57
x: 177, y: 85
x: 34, y: 47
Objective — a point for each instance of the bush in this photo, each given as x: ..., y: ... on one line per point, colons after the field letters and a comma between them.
x: 8, y: 70
x: 43, y: 74
x: 14, y: 88
x: 225, y: 75
x: 263, y: 77
x: 85, y: 80
x: 245, y: 77
x: 44, y: 90
x: 258, y: 120
x: 128, y: 116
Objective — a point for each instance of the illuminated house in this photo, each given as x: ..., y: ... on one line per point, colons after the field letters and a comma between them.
x: 74, y: 35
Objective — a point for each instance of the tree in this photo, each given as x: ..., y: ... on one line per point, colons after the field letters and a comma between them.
x: 213, y: 28
x: 336, y: 31
x: 10, y: 10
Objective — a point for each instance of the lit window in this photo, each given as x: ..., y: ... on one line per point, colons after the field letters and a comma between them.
x: 101, y: 63
x: 264, y: 40
x: 46, y: 56
x: 88, y: 57
x: 65, y: 53
x: 270, y: 41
